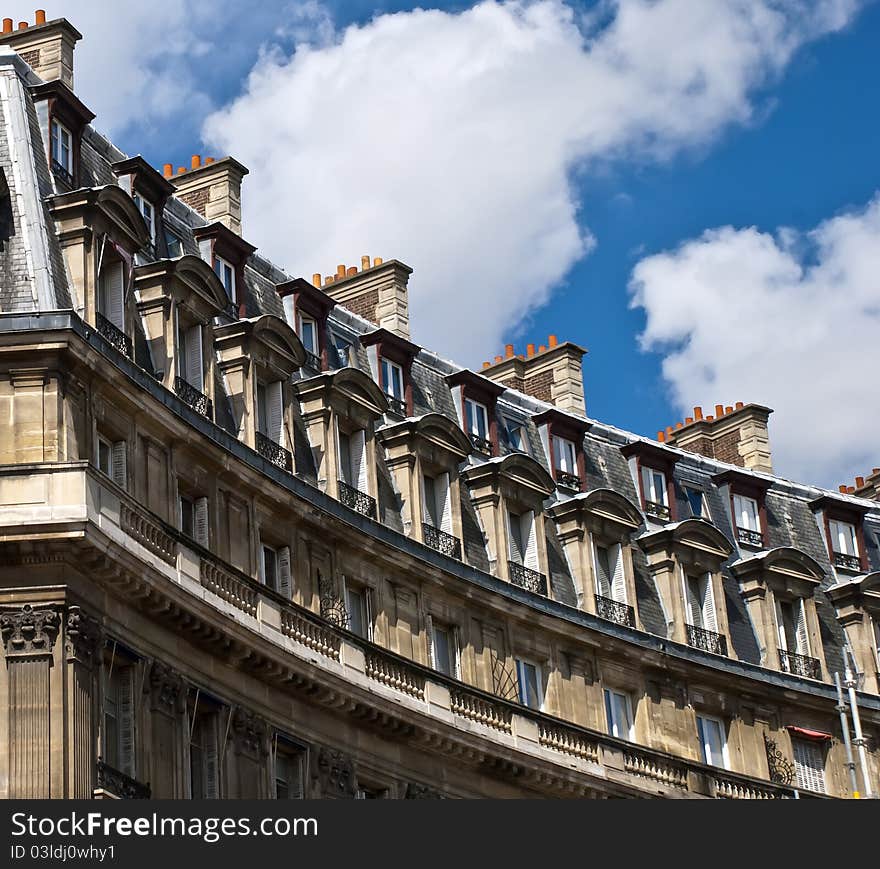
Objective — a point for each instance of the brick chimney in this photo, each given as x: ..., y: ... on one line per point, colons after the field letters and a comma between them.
x: 737, y: 435
x: 377, y: 292
x: 212, y: 188
x: 553, y: 374
x: 47, y: 46
x: 866, y: 487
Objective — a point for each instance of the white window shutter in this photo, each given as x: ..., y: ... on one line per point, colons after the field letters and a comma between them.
x: 194, y: 359
x: 710, y: 620
x: 803, y: 639
x: 694, y: 604
x: 618, y: 583
x: 126, y: 721
x: 284, y: 571
x: 275, y: 410
x: 120, y: 475
x: 200, y: 509
x: 359, y: 460
x: 780, y: 627
x: 426, y: 490
x: 809, y: 768
x: 514, y: 532
x: 456, y: 651
x: 444, y: 502
x: 530, y: 540
x: 115, y: 289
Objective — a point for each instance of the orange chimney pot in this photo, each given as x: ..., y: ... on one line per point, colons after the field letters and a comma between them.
x: 508, y: 351
x: 710, y: 418
x: 842, y: 488
x: 850, y: 490
x: 739, y: 405
x: 542, y: 349
x: 530, y: 350
x: 728, y: 410
x: 499, y: 359
x: 860, y: 482
x: 669, y: 431
x: 679, y: 425
x: 340, y: 270
x: 352, y: 270
x: 688, y: 420
x: 7, y: 25
x: 552, y: 341
x: 316, y: 279
x: 40, y: 16
x: 487, y: 365
x: 209, y: 160
x: 195, y: 161
x: 168, y: 170
x: 698, y: 413
x: 719, y: 410
x: 22, y: 25
x: 181, y: 170
x: 661, y: 436
x: 377, y: 261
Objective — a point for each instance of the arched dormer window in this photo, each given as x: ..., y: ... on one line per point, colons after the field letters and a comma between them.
x: 475, y: 399
x: 149, y: 191
x: 227, y: 254
x: 65, y: 118
x: 306, y: 309
x: 391, y: 359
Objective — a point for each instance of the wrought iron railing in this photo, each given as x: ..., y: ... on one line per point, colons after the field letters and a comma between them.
x: 749, y: 537
x: 615, y: 611
x: 61, y: 172
x: 357, y: 500
x: 396, y: 405
x: 113, y: 334
x: 313, y: 361
x: 274, y: 453
x: 847, y: 562
x: 441, y: 541
x: 526, y: 578
x: 780, y: 768
x: 658, y: 511
x: 799, y: 665
x: 481, y: 445
x: 198, y: 401
x: 119, y: 784
x: 708, y: 641
x: 569, y: 481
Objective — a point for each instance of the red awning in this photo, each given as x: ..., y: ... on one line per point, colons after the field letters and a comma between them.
x: 808, y: 734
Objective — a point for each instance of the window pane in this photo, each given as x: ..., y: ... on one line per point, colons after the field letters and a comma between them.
x: 186, y: 516
x: 695, y: 499
x: 262, y: 409
x: 712, y: 740
x: 308, y: 334
x: 356, y: 605
x: 442, y: 651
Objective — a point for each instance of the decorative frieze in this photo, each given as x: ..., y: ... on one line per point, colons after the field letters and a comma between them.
x: 249, y: 734
x: 29, y: 632
x: 166, y: 689
x: 336, y: 774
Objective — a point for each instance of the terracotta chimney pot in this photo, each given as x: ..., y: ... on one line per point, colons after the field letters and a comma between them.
x: 499, y: 359
x: 316, y: 279
x: 661, y: 436
x: 698, y: 413
x: 739, y: 405
x: 209, y: 160
x: 181, y: 170
x: 7, y: 25
x: 719, y: 410
x: 530, y: 350
x: 688, y: 420
x: 40, y: 16
x: 195, y: 161
x: 551, y: 341
x: 842, y: 488
x: 508, y: 351
x: 352, y: 270
x: 168, y: 170
x: 340, y: 270
x: 728, y: 410
x: 22, y: 25
x: 365, y: 262
x: 377, y: 261
x: 860, y: 482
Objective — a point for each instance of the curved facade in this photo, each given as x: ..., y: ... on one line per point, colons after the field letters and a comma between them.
x: 258, y: 543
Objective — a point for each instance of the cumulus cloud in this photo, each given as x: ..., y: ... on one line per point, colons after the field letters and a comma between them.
x: 449, y: 139
x: 789, y: 320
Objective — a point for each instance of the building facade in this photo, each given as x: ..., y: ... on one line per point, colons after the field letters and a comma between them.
x: 256, y: 542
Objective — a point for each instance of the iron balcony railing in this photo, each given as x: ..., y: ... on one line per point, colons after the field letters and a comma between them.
x: 749, y: 537
x: 658, y: 511
x: 114, y: 335
x: 441, y: 541
x: 481, y: 445
x: 615, y: 611
x: 526, y: 578
x: 799, y: 665
x: 569, y: 481
x: 357, y: 500
x: 61, y: 172
x: 313, y: 361
x: 708, y: 641
x: 396, y: 405
x: 198, y: 401
x: 119, y: 784
x: 847, y: 562
x: 275, y: 453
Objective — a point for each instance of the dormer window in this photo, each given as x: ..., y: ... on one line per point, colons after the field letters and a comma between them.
x: 696, y: 499
x: 747, y: 495
x: 226, y: 273
x: 173, y: 244
x: 747, y: 520
x: 654, y: 492
x: 308, y: 333
x: 227, y: 254
x: 62, y: 149
x: 392, y: 385
x: 475, y: 398
x: 844, y: 544
x: 146, y: 208
x: 516, y: 435
x: 306, y: 309
x: 842, y: 522
x: 652, y: 468
x: 391, y: 359
x: 477, y: 422
x: 563, y: 438
x: 565, y: 463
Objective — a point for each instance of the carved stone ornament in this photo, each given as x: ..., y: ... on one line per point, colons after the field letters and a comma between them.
x: 249, y: 734
x: 165, y: 687
x: 415, y: 791
x: 336, y: 776
x: 82, y: 635
x: 29, y: 631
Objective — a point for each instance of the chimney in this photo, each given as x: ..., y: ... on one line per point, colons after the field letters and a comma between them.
x: 46, y: 46
x: 868, y: 487
x: 213, y: 189
x: 376, y: 292
x: 554, y: 374
x: 736, y: 435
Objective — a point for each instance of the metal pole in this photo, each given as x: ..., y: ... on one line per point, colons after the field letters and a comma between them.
x: 858, y: 739
x: 844, y: 726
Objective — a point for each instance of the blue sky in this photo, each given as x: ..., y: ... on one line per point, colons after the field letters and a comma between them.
x: 542, y: 164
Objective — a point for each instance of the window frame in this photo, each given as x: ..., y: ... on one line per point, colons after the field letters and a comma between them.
x: 57, y: 130
x: 477, y: 406
x: 143, y: 204
x: 520, y: 667
x: 645, y: 469
x: 610, y: 708
x: 221, y: 266
x: 302, y: 319
x: 365, y: 607
x: 702, y: 720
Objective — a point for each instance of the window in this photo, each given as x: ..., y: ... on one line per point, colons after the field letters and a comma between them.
x: 610, y: 580
x: 523, y: 539
x: 712, y: 741
x: 194, y: 518
x: 809, y: 765
x: 270, y: 410
x: 289, y: 778
x: 308, y: 334
x: 843, y: 538
x: 392, y: 379
x: 146, y: 209
x: 226, y: 273
x: 565, y: 456
x: 697, y: 502
x: 118, y: 751
x: 791, y: 623
x: 275, y: 568
x: 516, y: 435
x: 190, y: 357
x: 700, y: 602
x: 357, y: 604
x: 111, y: 294
x: 174, y: 244
x: 528, y: 679
x: 352, y: 460
x: 203, y: 767
x: 111, y: 460
x: 444, y: 648
x: 438, y: 502
x: 476, y: 419
x: 62, y: 146
x: 618, y: 711
x: 370, y: 793
x: 654, y: 486
x: 746, y: 515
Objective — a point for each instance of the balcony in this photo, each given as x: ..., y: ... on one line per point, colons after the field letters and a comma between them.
x: 799, y: 665
x: 614, y: 611
x: 749, y: 537
x: 357, y: 500
x: 198, y: 401
x: 120, y: 785
x: 481, y: 445
x: 441, y: 542
x: 848, y: 562
x: 657, y: 511
x: 313, y: 361
x: 708, y: 641
x: 524, y: 577
x: 113, y: 335
x: 62, y: 174
x: 568, y: 481
x: 397, y: 406
x: 274, y: 453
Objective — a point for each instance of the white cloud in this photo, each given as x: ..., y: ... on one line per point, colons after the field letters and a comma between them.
x: 790, y: 321
x: 448, y: 139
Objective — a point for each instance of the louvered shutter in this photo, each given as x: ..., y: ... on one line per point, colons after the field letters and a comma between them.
x: 359, y: 460
x: 295, y: 782
x: 429, y: 637
x: 603, y: 575
x: 126, y: 721
x: 343, y: 455
x: 212, y: 769
x: 780, y: 627
x: 694, y: 604
x: 530, y: 540
x: 284, y: 571
x: 808, y: 765
x: 444, y: 502
x: 710, y: 621
x: 456, y: 652
x: 275, y: 410
x: 803, y: 641
x: 120, y: 475
x: 618, y: 583
x: 514, y: 540
x: 429, y: 500
x: 200, y: 509
x: 115, y: 294
x: 194, y: 358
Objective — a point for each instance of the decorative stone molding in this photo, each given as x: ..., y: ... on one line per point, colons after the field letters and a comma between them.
x: 82, y: 637
x: 336, y: 774
x: 29, y: 632
x: 249, y: 734
x: 165, y: 687
x: 415, y: 791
